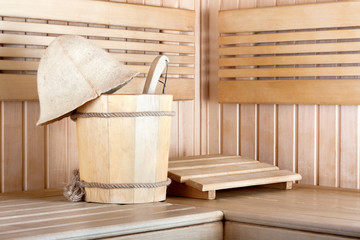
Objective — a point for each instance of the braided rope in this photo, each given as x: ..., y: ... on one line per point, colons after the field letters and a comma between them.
x: 124, y: 185
x: 75, y: 190
x: 76, y: 115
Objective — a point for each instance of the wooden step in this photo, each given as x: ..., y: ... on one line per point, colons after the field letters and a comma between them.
x: 218, y: 162
x: 242, y: 180
x: 187, y: 174
x: 201, y: 176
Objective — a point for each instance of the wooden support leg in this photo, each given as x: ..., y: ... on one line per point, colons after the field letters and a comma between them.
x: 182, y: 190
x: 282, y: 186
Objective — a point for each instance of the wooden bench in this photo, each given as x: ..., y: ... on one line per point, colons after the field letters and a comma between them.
x: 48, y: 215
x: 305, y: 212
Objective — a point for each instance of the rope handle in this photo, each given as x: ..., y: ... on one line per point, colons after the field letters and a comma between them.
x: 76, y: 115
x: 75, y: 190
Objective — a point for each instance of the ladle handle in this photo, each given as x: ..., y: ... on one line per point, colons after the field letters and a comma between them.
x: 155, y: 71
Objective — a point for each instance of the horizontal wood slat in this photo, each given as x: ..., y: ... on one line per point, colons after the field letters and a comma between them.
x: 291, y: 60
x: 337, y: 91
x: 133, y: 34
x: 94, y: 31
x: 290, y: 72
x: 17, y: 87
x: 107, y: 44
x: 173, y: 165
x: 310, y: 35
x: 122, y: 57
x: 183, y: 175
x: 56, y: 218
x: 324, y: 44
x: 297, y: 48
x: 325, y: 15
x: 100, y: 12
x: 33, y: 66
x: 239, y: 180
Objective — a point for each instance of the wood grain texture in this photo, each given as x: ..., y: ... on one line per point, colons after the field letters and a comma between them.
x: 230, y: 112
x: 242, y: 180
x: 49, y: 215
x: 58, y: 150
x: 256, y: 232
x: 98, y: 13
x: 211, y: 231
x: 214, y: 109
x: 273, y: 18
x: 34, y: 155
x: 349, y: 155
x: 334, y: 91
x: 125, y: 150
x: 12, y: 145
x: 323, y: 210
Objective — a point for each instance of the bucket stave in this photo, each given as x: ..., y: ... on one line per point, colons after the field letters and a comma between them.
x: 125, y: 150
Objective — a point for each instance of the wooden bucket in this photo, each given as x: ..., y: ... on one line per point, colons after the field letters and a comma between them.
x: 124, y: 150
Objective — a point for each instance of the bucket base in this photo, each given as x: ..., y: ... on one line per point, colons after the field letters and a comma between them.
x: 125, y: 196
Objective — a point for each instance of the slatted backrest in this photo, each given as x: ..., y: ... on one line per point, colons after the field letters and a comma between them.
x: 306, y: 54
x: 134, y: 34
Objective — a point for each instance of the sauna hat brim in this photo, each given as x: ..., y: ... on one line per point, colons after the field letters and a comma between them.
x: 73, y: 71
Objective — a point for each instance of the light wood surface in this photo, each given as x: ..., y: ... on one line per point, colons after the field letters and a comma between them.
x: 130, y: 44
x: 307, y: 209
x: 272, y: 19
x: 124, y: 150
x: 47, y: 214
x: 233, y: 230
x: 311, y: 49
x: 97, y: 12
x: 57, y: 166
x: 211, y: 231
x: 184, y: 175
x: 200, y: 176
x: 287, y: 92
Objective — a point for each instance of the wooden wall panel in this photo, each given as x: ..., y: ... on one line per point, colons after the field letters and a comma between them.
x: 34, y: 148
x: 12, y: 146
x: 214, y: 108
x: 230, y: 112
x: 321, y: 142
x: 37, y: 157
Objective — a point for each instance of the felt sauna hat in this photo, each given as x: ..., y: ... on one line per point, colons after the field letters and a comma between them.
x: 73, y: 71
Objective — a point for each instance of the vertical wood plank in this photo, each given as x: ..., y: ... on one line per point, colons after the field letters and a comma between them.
x: 12, y: 146
x: 328, y: 145
x: 72, y: 152
x: 349, y: 146
x: 248, y: 113
x: 307, y: 143
x: 34, y: 141
x: 286, y: 120
x: 230, y: 112
x: 248, y: 130
x: 57, y: 154
x: 187, y: 110
x: 214, y: 123
x: 198, y: 94
x: 204, y: 76
x: 175, y: 121
x: 286, y: 137
x: 267, y: 122
x: 307, y: 137
x: 1, y: 144
x: 267, y: 133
